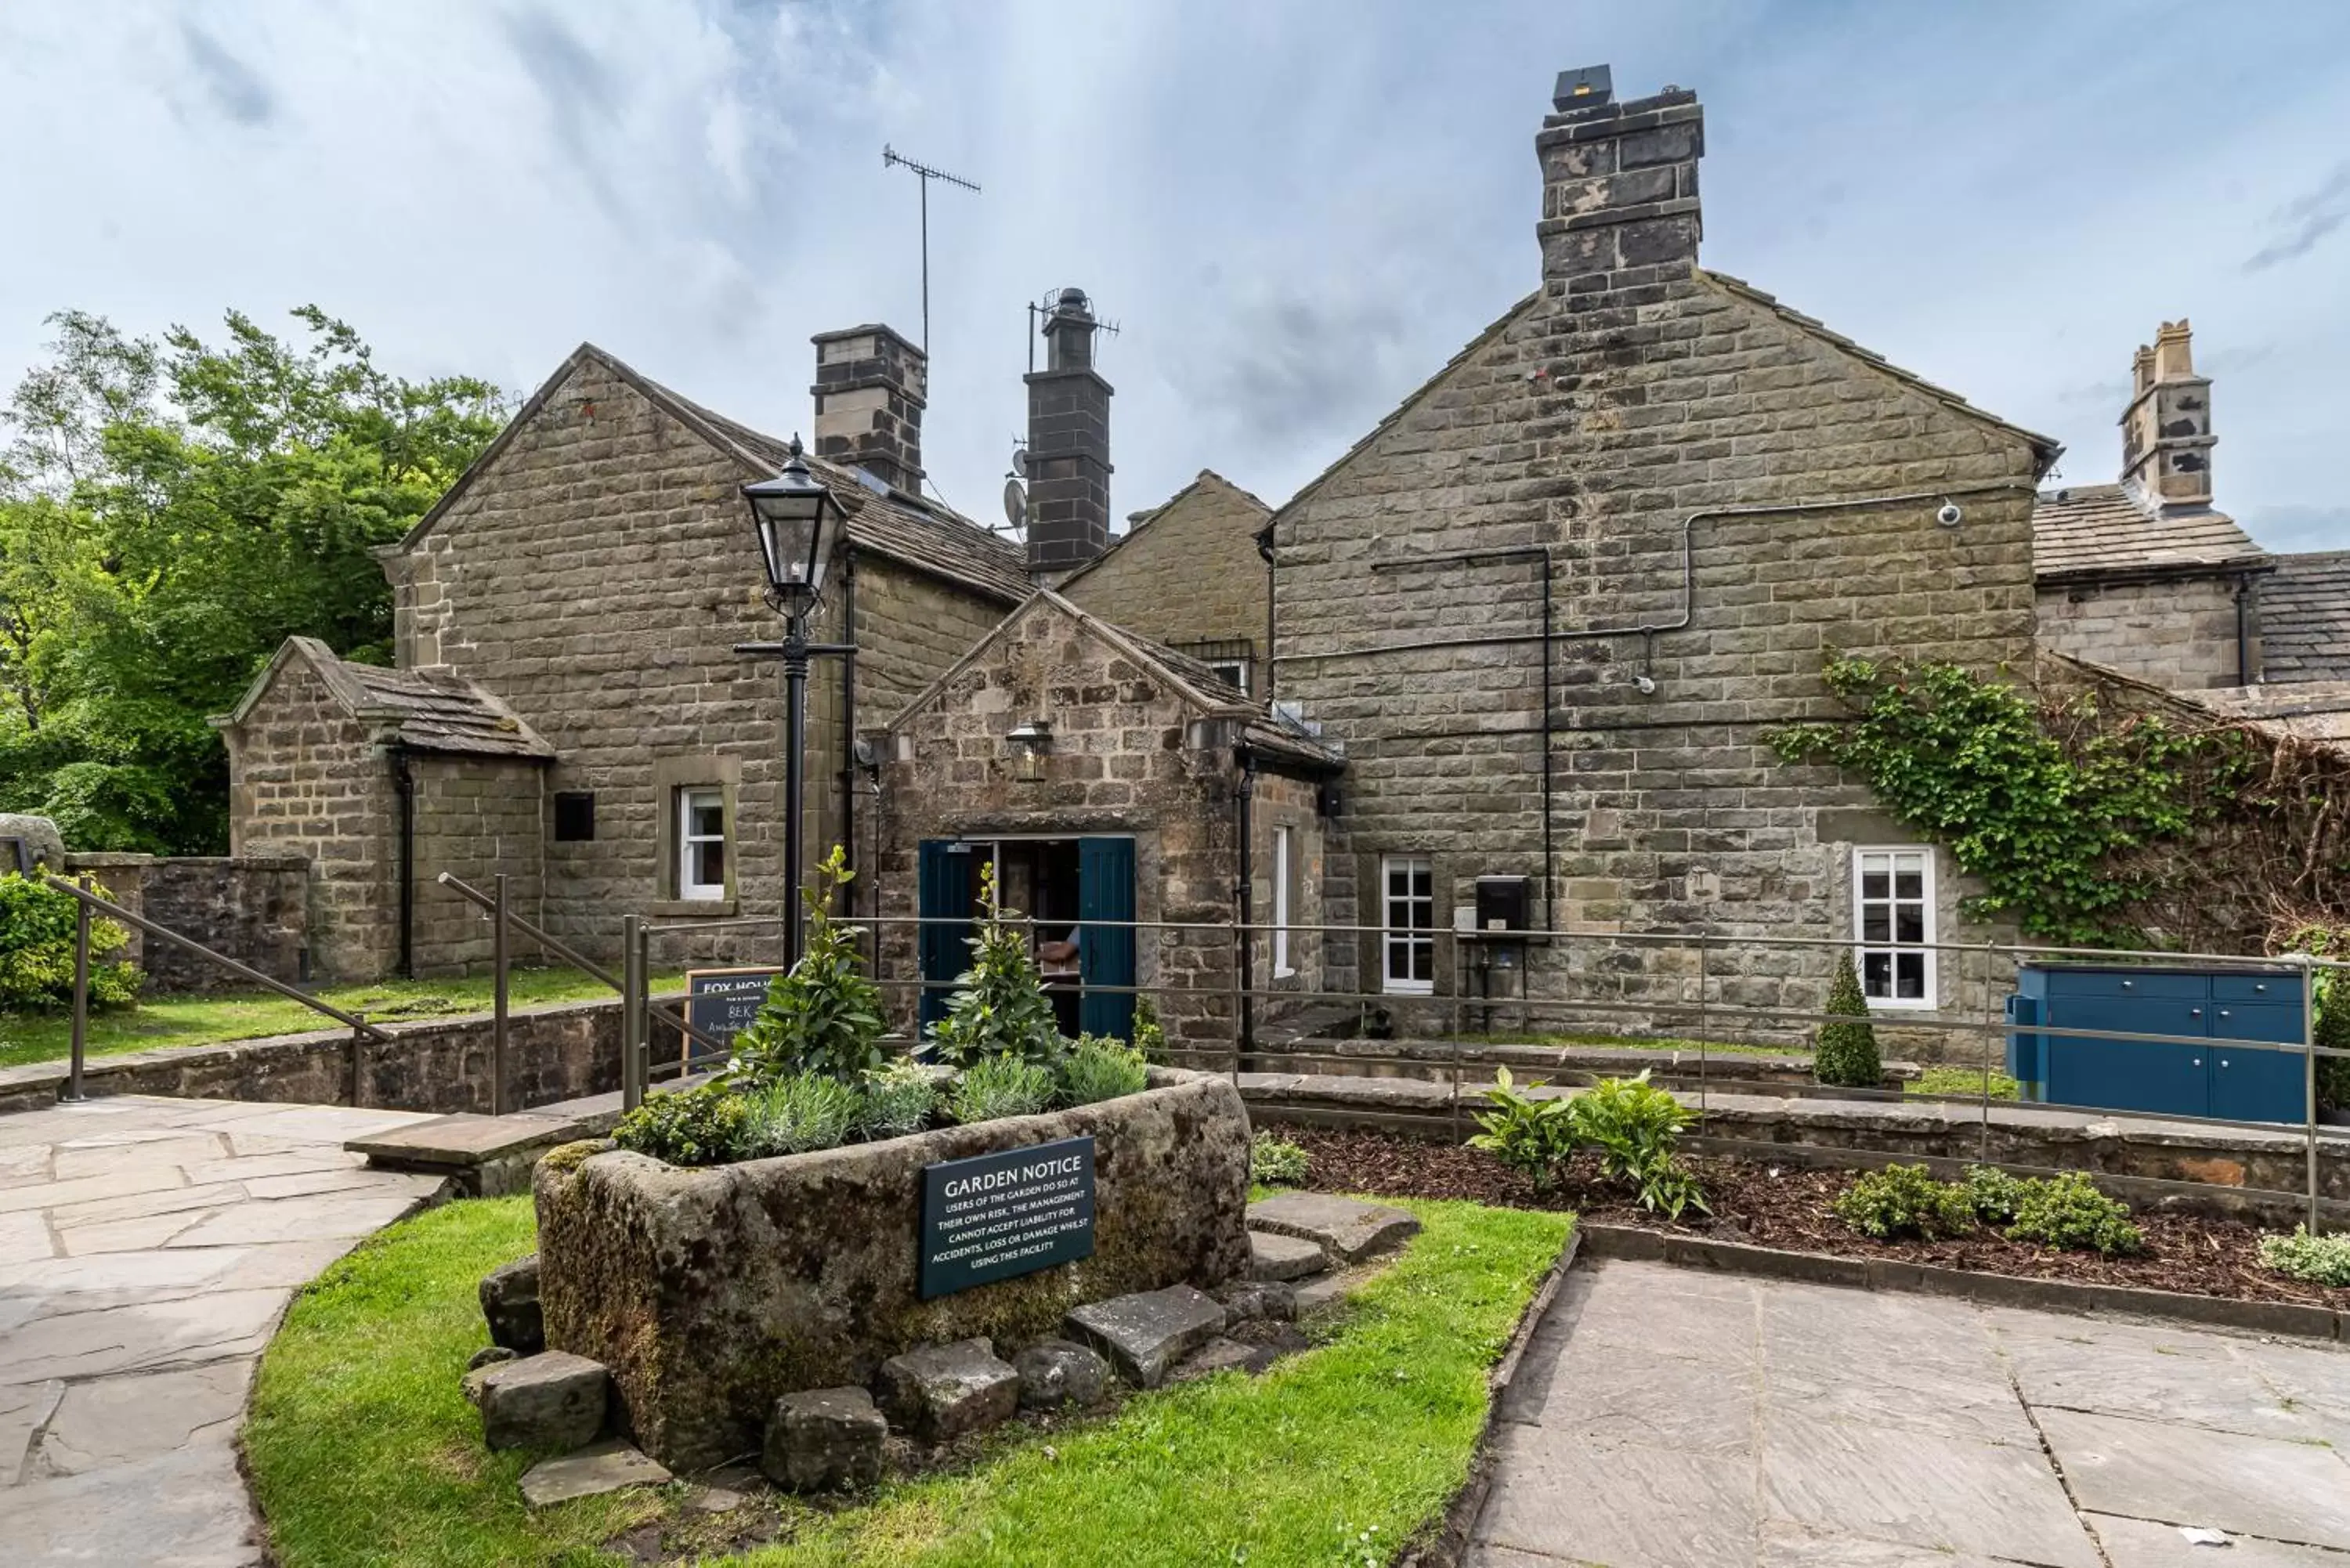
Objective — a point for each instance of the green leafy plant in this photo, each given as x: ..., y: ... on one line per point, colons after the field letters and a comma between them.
x: 1844, y: 1052
x: 2320, y: 1260
x: 1276, y: 1162
x: 999, y: 1007
x: 1101, y: 1069
x: 1530, y: 1135
x: 798, y: 1115
x: 1150, y: 1034
x: 824, y: 1015
x: 1905, y: 1200
x: 2068, y: 1211
x: 1995, y: 1194
x: 1000, y: 1086
x: 37, y: 951
x: 1635, y: 1126
x: 900, y: 1099
x: 701, y: 1126
x: 2332, y: 987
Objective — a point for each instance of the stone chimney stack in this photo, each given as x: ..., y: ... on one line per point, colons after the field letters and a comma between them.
x: 1068, y: 443
x: 1619, y: 180
x: 2167, y: 436
x: 870, y: 388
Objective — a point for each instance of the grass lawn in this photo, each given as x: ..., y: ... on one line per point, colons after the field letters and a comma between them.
x: 1631, y: 1042
x: 363, y: 1450
x: 249, y: 1015
x: 1948, y: 1080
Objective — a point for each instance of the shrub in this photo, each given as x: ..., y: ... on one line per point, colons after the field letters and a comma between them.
x: 899, y: 1100
x: 1150, y: 1034
x: 702, y: 1126
x: 799, y: 1114
x: 1905, y: 1200
x: 1101, y: 1069
x: 1844, y: 1052
x: 2332, y: 989
x: 37, y: 949
x: 1275, y: 1162
x: 825, y: 1016
x: 1000, y: 1086
x: 1634, y: 1126
x: 2068, y: 1211
x: 1995, y: 1194
x: 2320, y: 1260
x: 999, y: 1007
x: 1525, y: 1134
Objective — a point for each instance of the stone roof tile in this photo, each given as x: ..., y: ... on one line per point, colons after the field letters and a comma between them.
x: 2098, y: 529
x: 2306, y: 618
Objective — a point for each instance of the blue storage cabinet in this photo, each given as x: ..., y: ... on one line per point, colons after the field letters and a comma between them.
x: 2226, y: 1077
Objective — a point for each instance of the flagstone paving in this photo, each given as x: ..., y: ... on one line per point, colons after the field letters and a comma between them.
x: 1664, y: 1418
x: 147, y: 1248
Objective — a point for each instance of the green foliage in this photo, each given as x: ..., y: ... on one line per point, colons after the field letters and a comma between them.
x: 1533, y: 1137
x: 1995, y: 1194
x: 702, y: 1126
x: 1101, y: 1069
x: 2068, y: 1211
x: 2332, y: 987
x: 1845, y: 1053
x: 798, y: 1115
x: 1276, y: 1162
x: 37, y: 951
x: 1634, y: 1126
x: 1000, y: 1086
x: 1905, y: 1200
x: 1969, y: 762
x: 999, y: 1007
x: 824, y: 1015
x: 1150, y: 1034
x: 900, y: 1099
x: 2320, y: 1260
x: 170, y: 513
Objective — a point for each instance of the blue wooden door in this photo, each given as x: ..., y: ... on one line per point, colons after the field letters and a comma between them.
x: 949, y: 886
x: 2249, y: 1084
x: 1106, y: 953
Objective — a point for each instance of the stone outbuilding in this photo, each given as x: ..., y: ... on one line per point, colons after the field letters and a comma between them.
x: 1107, y: 779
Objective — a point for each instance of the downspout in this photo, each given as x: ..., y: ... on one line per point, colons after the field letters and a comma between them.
x: 1243, y: 803
x: 403, y: 785
x: 848, y: 715
x: 1264, y: 548
x: 2244, y: 628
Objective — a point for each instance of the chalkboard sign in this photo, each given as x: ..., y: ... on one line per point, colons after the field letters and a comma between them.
x: 1001, y: 1215
x: 721, y: 1003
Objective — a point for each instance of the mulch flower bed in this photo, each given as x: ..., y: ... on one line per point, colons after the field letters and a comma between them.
x: 1787, y: 1207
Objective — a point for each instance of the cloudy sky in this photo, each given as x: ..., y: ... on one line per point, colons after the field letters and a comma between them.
x: 1294, y: 210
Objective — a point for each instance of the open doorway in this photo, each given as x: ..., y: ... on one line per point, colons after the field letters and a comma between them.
x: 1063, y: 888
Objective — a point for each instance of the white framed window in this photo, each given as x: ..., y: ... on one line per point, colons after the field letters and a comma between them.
x: 1234, y: 670
x: 700, y: 843
x: 1410, y: 940
x: 1284, y: 862
x: 1893, y: 918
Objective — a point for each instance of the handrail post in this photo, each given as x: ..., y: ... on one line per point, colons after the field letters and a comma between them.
x: 80, y: 995
x: 498, y: 999
x: 632, y: 1012
x: 1704, y: 1028
x: 2309, y: 1070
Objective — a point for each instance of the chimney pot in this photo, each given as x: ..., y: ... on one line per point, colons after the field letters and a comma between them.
x: 2167, y: 436
x: 871, y: 386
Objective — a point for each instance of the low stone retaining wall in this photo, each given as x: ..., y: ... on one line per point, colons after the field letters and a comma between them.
x: 253, y: 908
x: 558, y: 1053
x: 1434, y: 1061
x: 712, y: 1293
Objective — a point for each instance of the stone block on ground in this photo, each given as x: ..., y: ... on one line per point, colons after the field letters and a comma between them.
x: 1146, y: 1334
x: 590, y: 1472
x: 552, y: 1400
x: 510, y: 1302
x: 1246, y: 1301
x: 1274, y: 1256
x: 1346, y: 1229
x: 824, y: 1439
x: 1057, y: 1372
x: 1221, y: 1354
x: 942, y: 1391
x: 1328, y: 1290
x: 490, y: 1356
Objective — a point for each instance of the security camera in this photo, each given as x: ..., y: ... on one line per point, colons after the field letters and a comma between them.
x: 1644, y: 685
x: 1950, y: 514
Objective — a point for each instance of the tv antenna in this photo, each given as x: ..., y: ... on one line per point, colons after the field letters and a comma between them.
x: 893, y: 158
x: 1040, y: 309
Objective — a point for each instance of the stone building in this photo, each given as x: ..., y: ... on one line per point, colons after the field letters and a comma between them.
x: 1207, y: 538
x: 1552, y: 603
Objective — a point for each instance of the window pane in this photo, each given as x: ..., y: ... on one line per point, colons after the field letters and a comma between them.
x: 1874, y: 925
x: 1909, y: 884
x: 1909, y: 976
x: 710, y: 863
x: 707, y: 817
x: 1399, y: 879
x: 1874, y: 885
x: 1399, y: 963
x: 1876, y: 973
x: 1423, y: 961
x: 1424, y: 881
x: 1910, y: 923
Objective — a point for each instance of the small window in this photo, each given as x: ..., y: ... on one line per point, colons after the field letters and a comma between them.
x: 1233, y: 672
x: 1411, y: 924
x: 1893, y: 915
x: 575, y: 817
x: 702, y: 843
x: 1283, y: 871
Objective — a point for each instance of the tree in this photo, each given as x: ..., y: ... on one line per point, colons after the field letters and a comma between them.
x: 170, y: 515
x: 1845, y: 1053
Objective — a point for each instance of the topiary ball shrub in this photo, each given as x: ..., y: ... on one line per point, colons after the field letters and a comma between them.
x: 2068, y: 1212
x: 1995, y: 1194
x: 1844, y: 1053
x: 705, y: 1125
x: 1905, y: 1200
x: 37, y: 951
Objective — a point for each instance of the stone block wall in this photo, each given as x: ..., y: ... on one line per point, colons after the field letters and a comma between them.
x: 2180, y: 634
x: 254, y: 910
x: 476, y: 817
x: 1205, y: 540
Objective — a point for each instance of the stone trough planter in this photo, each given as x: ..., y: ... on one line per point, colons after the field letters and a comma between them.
x: 710, y: 1294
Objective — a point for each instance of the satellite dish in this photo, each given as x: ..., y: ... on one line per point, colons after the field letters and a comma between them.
x: 1020, y: 460
x: 1016, y: 504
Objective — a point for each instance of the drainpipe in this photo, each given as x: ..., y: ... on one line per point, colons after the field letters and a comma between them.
x: 849, y: 716
x: 1264, y: 548
x: 2244, y: 628
x: 1244, y: 799
x: 403, y: 785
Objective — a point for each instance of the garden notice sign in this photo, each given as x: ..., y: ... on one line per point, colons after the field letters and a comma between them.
x: 996, y: 1216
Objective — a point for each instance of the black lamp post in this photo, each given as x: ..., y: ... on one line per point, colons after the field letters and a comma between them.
x: 799, y: 522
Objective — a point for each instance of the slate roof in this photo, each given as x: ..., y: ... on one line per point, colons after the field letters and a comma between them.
x: 2306, y: 618
x: 425, y: 709
x: 906, y: 528
x: 2312, y: 710
x: 2103, y: 530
